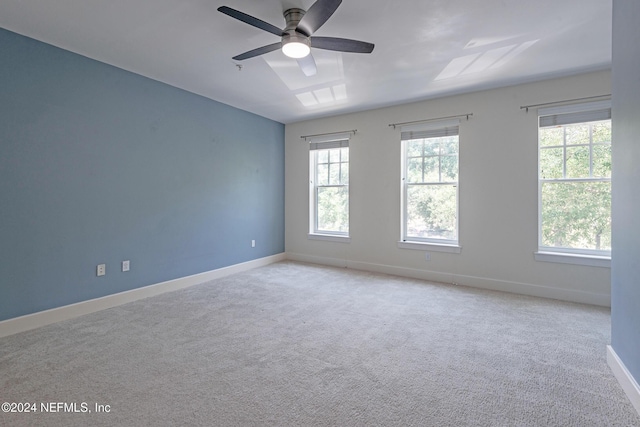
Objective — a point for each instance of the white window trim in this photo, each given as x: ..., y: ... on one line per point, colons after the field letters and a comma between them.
x: 569, y: 255
x: 430, y: 246
x: 436, y: 245
x: 329, y: 237
x: 572, y: 258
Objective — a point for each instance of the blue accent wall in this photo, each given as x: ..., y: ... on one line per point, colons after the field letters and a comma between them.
x: 100, y: 165
x: 625, y: 254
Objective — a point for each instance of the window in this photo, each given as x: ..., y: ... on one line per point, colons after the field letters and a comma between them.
x: 574, y: 158
x: 329, y: 187
x: 430, y: 183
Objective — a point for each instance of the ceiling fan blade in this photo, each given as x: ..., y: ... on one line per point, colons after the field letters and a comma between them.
x: 259, y: 51
x: 317, y: 15
x: 308, y: 65
x: 341, y: 45
x: 248, y: 19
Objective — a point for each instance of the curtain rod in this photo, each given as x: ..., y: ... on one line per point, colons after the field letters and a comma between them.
x: 526, y: 107
x: 353, y: 131
x: 467, y: 115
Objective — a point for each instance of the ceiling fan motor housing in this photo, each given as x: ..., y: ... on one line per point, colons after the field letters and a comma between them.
x: 292, y: 17
x: 292, y: 39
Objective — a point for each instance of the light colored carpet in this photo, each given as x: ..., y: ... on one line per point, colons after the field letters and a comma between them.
x: 292, y: 344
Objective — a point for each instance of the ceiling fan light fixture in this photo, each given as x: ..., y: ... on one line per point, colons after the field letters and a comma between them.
x: 295, y: 46
x: 297, y: 37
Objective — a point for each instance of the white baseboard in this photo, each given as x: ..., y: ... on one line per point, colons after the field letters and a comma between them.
x: 571, y: 295
x: 624, y: 377
x: 46, y: 317
x: 36, y: 320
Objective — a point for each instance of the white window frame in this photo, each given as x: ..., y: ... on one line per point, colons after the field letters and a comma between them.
x: 566, y: 115
x: 325, y: 142
x: 431, y: 129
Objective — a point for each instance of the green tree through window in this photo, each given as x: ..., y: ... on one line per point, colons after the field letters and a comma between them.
x: 330, y: 187
x: 430, y: 184
x: 575, y: 187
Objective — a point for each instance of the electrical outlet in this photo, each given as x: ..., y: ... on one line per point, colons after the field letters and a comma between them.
x: 427, y: 256
x: 253, y: 243
x: 101, y: 270
x: 126, y: 265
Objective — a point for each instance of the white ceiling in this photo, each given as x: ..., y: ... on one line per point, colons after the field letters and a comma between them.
x: 423, y: 48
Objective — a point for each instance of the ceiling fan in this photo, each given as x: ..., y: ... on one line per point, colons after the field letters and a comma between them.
x: 296, y: 38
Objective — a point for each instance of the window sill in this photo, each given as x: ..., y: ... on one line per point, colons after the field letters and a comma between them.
x: 329, y: 238
x: 435, y: 247
x: 576, y: 259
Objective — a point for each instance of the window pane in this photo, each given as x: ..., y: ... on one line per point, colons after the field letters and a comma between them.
x: 450, y: 145
x: 344, y: 179
x: 449, y: 165
x: 323, y: 175
x: 334, y: 174
x: 333, y: 209
x: 344, y: 154
x: 414, y: 148
x: 551, y: 136
x: 576, y: 215
x: 431, y: 169
x: 602, y: 161
x: 334, y: 155
x: 323, y: 156
x: 577, y: 162
x: 431, y: 211
x: 432, y: 147
x: 601, y: 132
x: 551, y: 163
x: 414, y: 169
x: 577, y: 134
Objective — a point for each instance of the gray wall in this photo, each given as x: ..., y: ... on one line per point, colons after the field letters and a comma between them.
x: 99, y: 165
x: 625, y: 267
